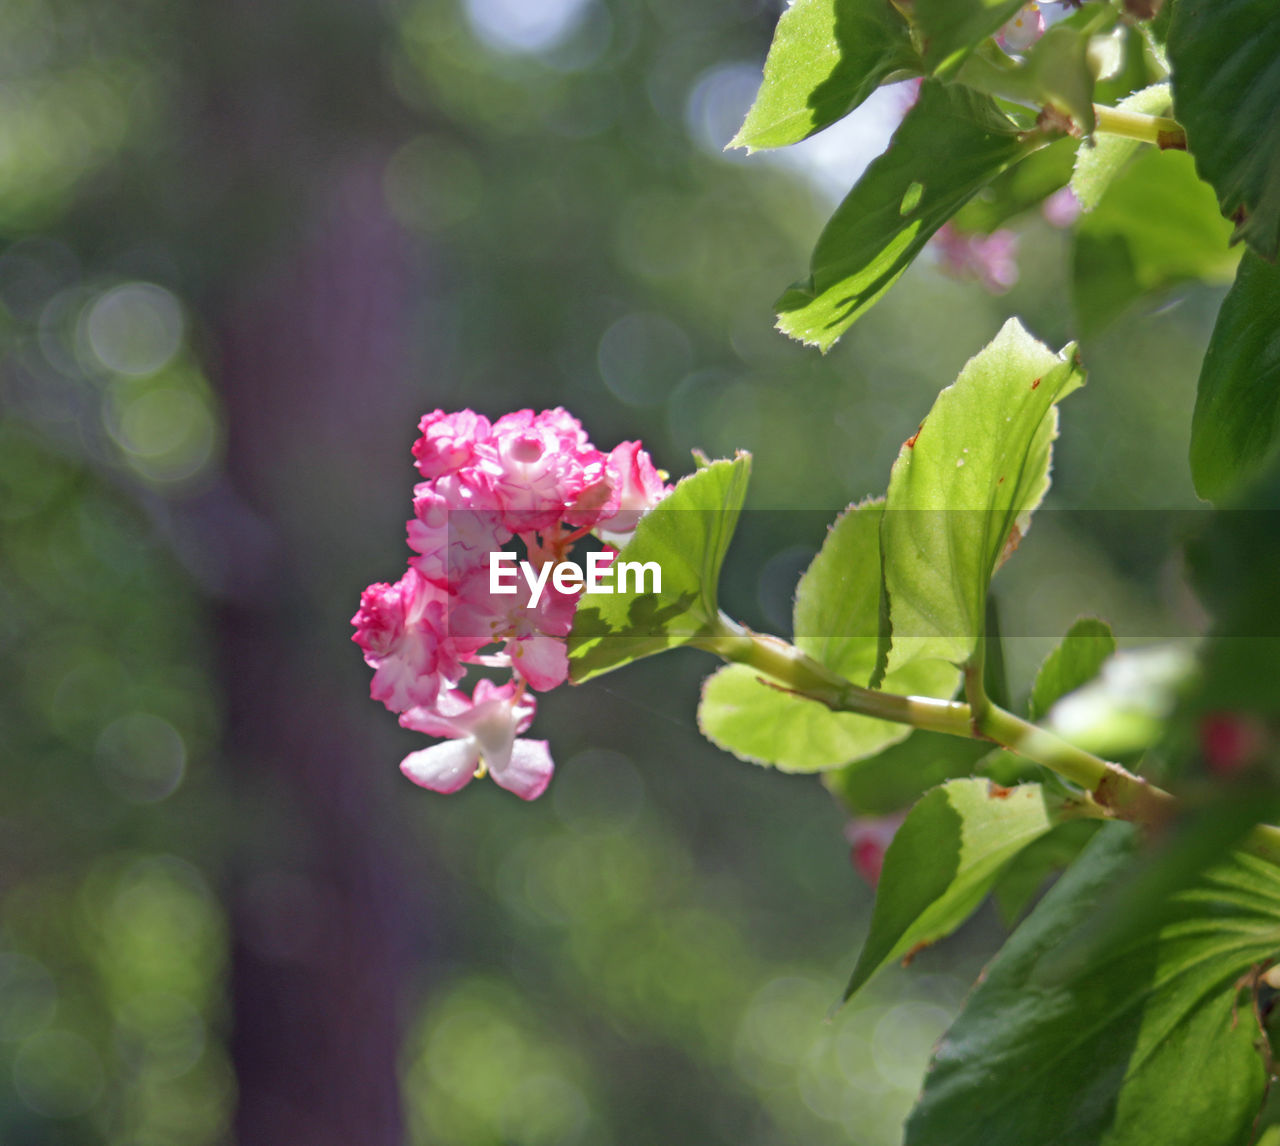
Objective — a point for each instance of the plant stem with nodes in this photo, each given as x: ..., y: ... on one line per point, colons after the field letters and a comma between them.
x: 1112, y: 791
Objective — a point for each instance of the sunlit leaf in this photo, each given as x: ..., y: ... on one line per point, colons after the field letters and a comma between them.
x: 837, y: 623
x: 943, y: 861
x: 962, y: 490
x: 950, y: 145
x: 827, y: 56
x: 687, y: 534
x: 1099, y: 162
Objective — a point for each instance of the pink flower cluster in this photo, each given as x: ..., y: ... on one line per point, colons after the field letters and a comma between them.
x: 531, y: 476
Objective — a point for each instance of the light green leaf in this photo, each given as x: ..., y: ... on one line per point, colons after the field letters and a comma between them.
x: 951, y: 29
x: 943, y: 861
x: 1097, y: 164
x: 949, y: 146
x: 1156, y: 226
x: 1154, y: 1045
x: 762, y: 725
x: 1237, y: 417
x: 1075, y: 662
x: 687, y: 534
x: 1125, y: 709
x: 836, y: 622
x: 962, y: 490
x: 1226, y: 91
x: 827, y: 56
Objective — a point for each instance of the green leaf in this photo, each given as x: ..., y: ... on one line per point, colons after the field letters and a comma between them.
x: 836, y: 622
x: 1237, y: 417
x: 1154, y: 1045
x: 1075, y: 662
x: 962, y: 490
x: 1059, y: 64
x: 1124, y: 711
x: 1097, y: 164
x: 687, y: 534
x: 951, y: 29
x: 1019, y: 882
x: 1156, y: 226
x: 897, y: 777
x: 763, y: 725
x: 1226, y: 89
x: 949, y: 146
x: 827, y: 56
x: 1027, y: 183
x: 943, y: 861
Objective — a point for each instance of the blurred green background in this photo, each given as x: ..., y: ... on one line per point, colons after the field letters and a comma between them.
x: 243, y: 247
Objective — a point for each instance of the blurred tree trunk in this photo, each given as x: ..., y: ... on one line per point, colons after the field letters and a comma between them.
x: 311, y: 288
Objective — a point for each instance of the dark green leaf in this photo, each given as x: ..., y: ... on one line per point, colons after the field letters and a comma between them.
x: 1226, y: 91
x: 943, y: 861
x: 1237, y: 417
x: 1154, y: 1045
x: 951, y: 29
x: 897, y: 777
x: 962, y: 491
x: 1075, y: 662
x: 951, y: 145
x: 687, y: 534
x: 1019, y: 882
x: 1157, y: 225
x: 827, y: 56
x: 1021, y: 187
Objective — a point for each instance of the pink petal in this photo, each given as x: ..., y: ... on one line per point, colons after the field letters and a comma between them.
x: 528, y: 772
x: 543, y: 661
x: 442, y: 767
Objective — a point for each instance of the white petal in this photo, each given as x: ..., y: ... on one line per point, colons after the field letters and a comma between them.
x: 442, y: 767
x: 528, y: 772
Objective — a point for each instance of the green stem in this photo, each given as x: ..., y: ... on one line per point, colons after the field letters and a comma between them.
x: 1116, y: 791
x: 1166, y: 133
x: 1113, y: 792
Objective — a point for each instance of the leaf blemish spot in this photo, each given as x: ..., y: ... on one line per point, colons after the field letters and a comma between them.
x: 1035, y: 383
x: 910, y: 443
x: 998, y: 792
x: 909, y: 957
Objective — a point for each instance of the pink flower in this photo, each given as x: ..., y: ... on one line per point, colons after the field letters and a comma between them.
x: 481, y: 735
x: 448, y: 442
x: 990, y: 259
x: 535, y: 475
x: 401, y: 629
x: 639, y: 485
x: 1026, y: 27
x: 869, y: 838
x: 532, y: 636
x: 539, y: 465
x: 454, y: 528
x: 1062, y: 208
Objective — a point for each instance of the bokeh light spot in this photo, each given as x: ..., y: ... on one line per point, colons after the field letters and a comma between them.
x: 135, y: 329
x: 142, y: 757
